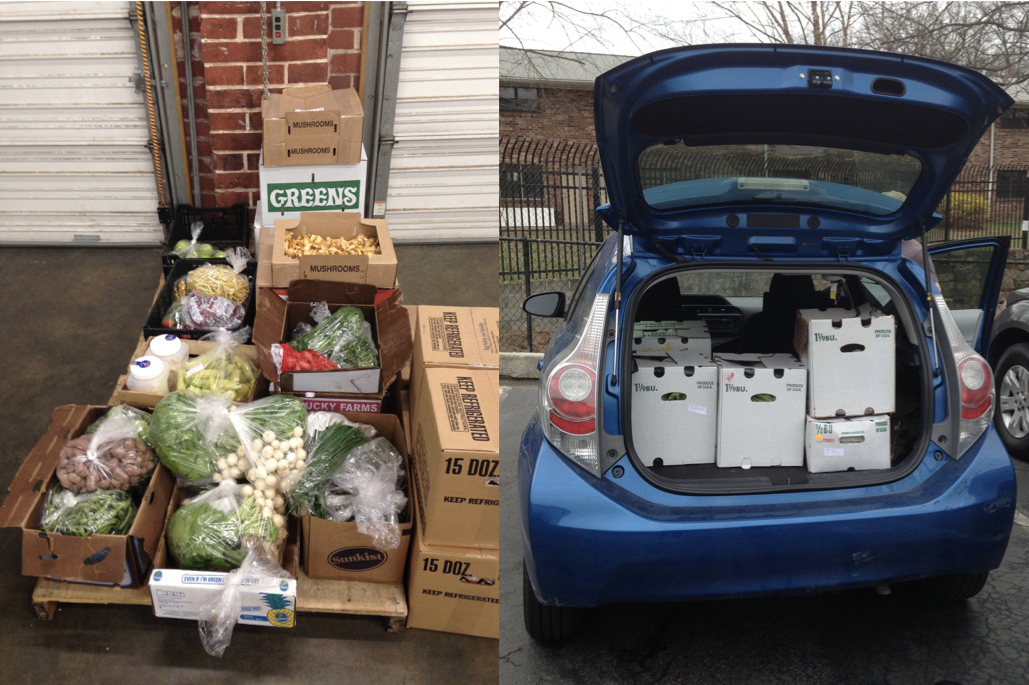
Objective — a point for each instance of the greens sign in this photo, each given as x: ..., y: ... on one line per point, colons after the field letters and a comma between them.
x: 313, y: 197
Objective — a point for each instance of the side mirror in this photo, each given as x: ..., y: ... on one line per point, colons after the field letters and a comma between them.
x: 545, y: 304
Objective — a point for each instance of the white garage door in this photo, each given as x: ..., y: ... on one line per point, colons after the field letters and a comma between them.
x: 443, y: 181
x: 74, y: 162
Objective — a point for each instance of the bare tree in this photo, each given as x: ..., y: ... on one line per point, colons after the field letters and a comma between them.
x: 990, y: 37
x: 811, y: 23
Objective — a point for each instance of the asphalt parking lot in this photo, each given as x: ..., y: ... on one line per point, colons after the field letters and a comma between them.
x: 852, y: 638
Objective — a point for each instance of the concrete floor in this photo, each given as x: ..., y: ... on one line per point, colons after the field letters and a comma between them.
x: 70, y: 320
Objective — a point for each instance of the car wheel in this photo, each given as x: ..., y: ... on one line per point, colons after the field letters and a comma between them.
x: 1011, y: 416
x: 543, y: 623
x: 954, y: 588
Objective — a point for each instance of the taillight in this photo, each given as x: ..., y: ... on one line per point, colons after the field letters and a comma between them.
x: 568, y: 392
x: 976, y: 387
x: 574, y: 400
x: 974, y: 381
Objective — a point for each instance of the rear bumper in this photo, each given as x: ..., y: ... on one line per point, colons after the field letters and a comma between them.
x: 588, y: 541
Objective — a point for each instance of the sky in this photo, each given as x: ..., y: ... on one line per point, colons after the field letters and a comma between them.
x: 536, y: 27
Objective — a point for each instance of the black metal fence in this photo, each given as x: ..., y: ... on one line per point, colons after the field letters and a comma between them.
x: 549, y: 229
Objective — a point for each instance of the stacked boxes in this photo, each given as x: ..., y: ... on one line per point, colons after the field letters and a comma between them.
x: 312, y: 124
x: 671, y: 339
x: 850, y: 359
x: 453, y: 583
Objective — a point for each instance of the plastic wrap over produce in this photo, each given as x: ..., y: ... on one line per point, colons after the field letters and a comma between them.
x: 210, y: 531
x: 102, y: 512
x: 112, y: 458
x: 221, y: 370
x: 366, y: 490
x: 344, y: 339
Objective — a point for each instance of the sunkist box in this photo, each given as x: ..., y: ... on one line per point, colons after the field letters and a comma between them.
x: 286, y: 191
x: 456, y: 456
x: 338, y: 551
x: 455, y: 337
x: 379, y: 269
x: 103, y: 559
x: 675, y: 411
x: 842, y: 444
x: 454, y: 589
x: 851, y: 361
x: 148, y: 400
x: 345, y: 390
x: 312, y: 124
x: 761, y: 401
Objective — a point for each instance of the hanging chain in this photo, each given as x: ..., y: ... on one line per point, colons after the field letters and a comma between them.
x: 264, y: 47
x: 155, y: 145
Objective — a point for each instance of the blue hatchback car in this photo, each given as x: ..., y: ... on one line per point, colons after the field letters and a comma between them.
x: 756, y: 387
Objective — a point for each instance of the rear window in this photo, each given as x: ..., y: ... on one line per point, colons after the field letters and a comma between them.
x: 680, y: 176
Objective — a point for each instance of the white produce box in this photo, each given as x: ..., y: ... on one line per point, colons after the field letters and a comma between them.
x: 286, y: 191
x: 841, y: 444
x: 675, y: 411
x: 752, y: 432
x: 679, y: 340
x: 851, y: 361
x: 186, y: 594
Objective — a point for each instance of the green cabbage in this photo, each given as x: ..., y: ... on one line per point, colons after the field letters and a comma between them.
x: 202, y: 538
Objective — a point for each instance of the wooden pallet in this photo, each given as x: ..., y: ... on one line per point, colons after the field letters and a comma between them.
x: 313, y: 596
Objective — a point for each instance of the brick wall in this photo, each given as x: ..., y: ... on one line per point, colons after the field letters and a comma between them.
x: 564, y: 114
x: 1010, y: 149
x: 323, y: 44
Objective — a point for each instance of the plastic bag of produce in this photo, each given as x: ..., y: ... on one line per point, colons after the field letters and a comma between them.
x: 140, y: 417
x: 327, y: 448
x: 319, y: 312
x: 200, y: 310
x: 102, y: 512
x: 345, y: 338
x: 209, y: 532
x: 219, y: 617
x: 271, y: 433
x: 194, y: 249
x: 367, y: 490
x: 112, y: 458
x: 191, y: 432
x: 221, y: 370
x: 225, y: 281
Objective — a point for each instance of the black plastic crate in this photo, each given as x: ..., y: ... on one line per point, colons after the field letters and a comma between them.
x: 224, y: 228
x: 165, y: 299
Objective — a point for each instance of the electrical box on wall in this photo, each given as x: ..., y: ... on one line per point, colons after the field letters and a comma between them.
x: 278, y: 26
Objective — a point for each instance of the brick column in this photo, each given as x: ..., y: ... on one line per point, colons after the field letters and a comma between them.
x: 323, y: 44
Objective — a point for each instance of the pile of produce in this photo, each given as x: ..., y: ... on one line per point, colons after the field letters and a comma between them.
x: 325, y: 458
x: 299, y: 245
x: 209, y: 532
x: 138, y: 416
x: 341, y: 341
x: 192, y: 434
x: 103, y: 512
x: 211, y: 296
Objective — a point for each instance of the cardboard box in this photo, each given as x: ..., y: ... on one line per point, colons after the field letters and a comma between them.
x: 337, y: 551
x: 379, y: 270
x: 146, y: 400
x: 455, y: 337
x: 289, y: 190
x: 312, y: 124
x: 761, y: 401
x: 456, y: 455
x: 188, y: 594
x: 841, y: 444
x: 102, y: 559
x: 675, y: 411
x: 361, y: 390
x: 454, y: 589
x: 678, y: 340
x: 851, y: 361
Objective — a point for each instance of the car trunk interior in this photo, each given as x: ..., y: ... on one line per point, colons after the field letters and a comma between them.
x: 753, y: 380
